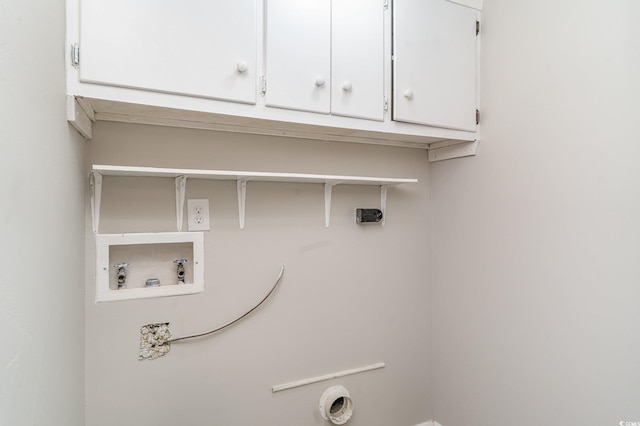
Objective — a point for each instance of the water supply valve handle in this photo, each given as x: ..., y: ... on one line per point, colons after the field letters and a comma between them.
x: 122, y: 273
x: 180, y: 271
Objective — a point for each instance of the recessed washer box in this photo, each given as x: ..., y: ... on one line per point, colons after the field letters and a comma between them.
x: 148, y: 256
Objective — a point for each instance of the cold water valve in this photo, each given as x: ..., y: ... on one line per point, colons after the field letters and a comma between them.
x: 180, y: 271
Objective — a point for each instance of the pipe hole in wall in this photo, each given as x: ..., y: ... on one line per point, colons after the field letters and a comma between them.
x: 337, y: 408
x: 336, y: 405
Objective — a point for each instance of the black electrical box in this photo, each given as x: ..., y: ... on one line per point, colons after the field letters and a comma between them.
x: 368, y: 215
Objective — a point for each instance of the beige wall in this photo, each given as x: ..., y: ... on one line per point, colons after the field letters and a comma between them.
x: 536, y: 283
x: 351, y: 295
x: 41, y: 214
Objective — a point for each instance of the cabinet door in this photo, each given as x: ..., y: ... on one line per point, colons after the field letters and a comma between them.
x: 196, y: 47
x: 357, y: 58
x: 435, y: 63
x: 298, y: 58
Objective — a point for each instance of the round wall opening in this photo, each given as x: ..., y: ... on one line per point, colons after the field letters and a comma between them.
x: 336, y: 405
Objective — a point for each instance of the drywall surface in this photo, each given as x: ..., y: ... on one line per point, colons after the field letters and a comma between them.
x: 536, y: 284
x: 351, y: 295
x: 41, y: 224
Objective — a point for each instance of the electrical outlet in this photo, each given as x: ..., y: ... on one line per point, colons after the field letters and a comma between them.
x: 198, y: 214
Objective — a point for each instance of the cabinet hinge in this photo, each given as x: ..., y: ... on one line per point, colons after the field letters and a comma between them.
x: 385, y: 4
x: 477, y: 27
x: 385, y: 105
x: 477, y: 116
x: 75, y: 55
x: 263, y: 85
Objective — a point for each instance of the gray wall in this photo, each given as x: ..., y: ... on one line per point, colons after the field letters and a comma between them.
x: 41, y: 215
x: 536, y: 283
x: 351, y: 295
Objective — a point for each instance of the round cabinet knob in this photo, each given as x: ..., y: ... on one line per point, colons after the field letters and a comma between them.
x: 320, y: 81
x: 408, y: 94
x: 347, y: 86
x: 242, y: 66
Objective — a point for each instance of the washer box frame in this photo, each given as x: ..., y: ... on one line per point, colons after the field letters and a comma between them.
x: 103, y: 264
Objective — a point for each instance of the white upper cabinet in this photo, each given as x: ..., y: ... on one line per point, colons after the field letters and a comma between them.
x: 205, y: 48
x: 326, y: 56
x: 357, y: 59
x: 298, y: 54
x: 435, y: 64
x: 391, y: 72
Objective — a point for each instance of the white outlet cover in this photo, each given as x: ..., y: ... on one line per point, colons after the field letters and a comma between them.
x: 198, y: 214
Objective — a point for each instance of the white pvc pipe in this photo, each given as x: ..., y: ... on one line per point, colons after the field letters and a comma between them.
x: 317, y: 379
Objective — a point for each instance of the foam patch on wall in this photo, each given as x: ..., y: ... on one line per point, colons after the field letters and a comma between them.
x: 154, y: 341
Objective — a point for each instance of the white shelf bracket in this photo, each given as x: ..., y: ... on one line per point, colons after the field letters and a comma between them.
x: 448, y: 152
x: 181, y: 185
x: 242, y: 197
x: 78, y: 118
x: 383, y: 202
x: 95, y: 182
x: 328, y: 188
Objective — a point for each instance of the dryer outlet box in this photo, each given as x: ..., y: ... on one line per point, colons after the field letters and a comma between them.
x: 368, y: 215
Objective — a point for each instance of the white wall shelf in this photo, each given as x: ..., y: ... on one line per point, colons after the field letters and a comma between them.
x: 241, y: 177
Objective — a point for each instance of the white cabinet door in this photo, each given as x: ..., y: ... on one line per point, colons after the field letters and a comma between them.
x: 298, y: 49
x: 357, y: 59
x: 206, y: 48
x: 435, y: 63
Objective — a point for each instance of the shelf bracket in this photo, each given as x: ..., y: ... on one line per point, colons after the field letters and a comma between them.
x: 95, y: 182
x: 464, y: 149
x: 78, y: 118
x: 328, y: 188
x: 181, y: 185
x: 242, y: 197
x: 383, y: 202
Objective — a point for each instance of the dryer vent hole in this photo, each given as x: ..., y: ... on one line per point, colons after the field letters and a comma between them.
x: 338, y: 406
